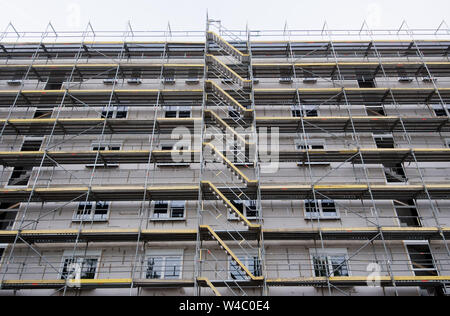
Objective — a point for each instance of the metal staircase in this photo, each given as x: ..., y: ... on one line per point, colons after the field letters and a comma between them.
x: 227, y: 47
x: 229, y: 142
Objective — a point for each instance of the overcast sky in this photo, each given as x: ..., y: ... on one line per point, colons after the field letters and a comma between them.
x: 29, y: 15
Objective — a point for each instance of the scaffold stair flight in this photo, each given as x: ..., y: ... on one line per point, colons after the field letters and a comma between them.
x: 228, y: 48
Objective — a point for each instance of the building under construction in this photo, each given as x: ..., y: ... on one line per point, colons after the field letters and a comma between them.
x: 225, y: 162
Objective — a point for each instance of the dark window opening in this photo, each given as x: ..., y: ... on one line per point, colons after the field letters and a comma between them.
x: 395, y: 173
x: 161, y: 209
x: 43, y: 113
x: 385, y: 142
x: 8, y: 212
x: 31, y: 145
x: 366, y: 82
x: 407, y: 214
x: 247, y: 208
x: 305, y: 111
x: 422, y: 260
x: 439, y: 110
x: 233, y: 113
x: 54, y: 83
x: 20, y: 176
x: 171, y: 114
x: 375, y: 111
x: 184, y: 114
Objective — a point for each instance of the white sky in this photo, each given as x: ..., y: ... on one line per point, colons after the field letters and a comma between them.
x: 33, y: 15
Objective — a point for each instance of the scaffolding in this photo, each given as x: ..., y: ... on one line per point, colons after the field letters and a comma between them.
x: 60, y: 88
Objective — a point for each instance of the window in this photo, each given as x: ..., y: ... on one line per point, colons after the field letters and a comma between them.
x: 20, y: 176
x: 2, y: 250
x: 86, y: 267
x: 248, y: 208
x: 175, y: 147
x: 421, y: 259
x: 304, y: 111
x: 384, y: 141
x: 8, y: 212
x: 439, y: 110
x: 106, y: 147
x: 169, y: 210
x: 332, y: 263
x: 321, y: 209
x: 88, y: 211
x: 177, y: 111
x: 164, y: 267
x: 375, y: 111
x: 43, y: 113
x: 253, y: 264
x: 407, y: 213
x: 233, y: 113
x: 32, y: 144
x: 54, y: 84
x: 115, y: 112
x: 366, y: 82
x: 395, y: 173
x: 310, y: 145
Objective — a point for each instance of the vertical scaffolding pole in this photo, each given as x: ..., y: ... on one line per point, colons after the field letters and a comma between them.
x: 200, y: 206
x: 363, y: 164
x: 261, y: 243
x: 47, y: 145
x: 100, y: 142
x: 144, y: 209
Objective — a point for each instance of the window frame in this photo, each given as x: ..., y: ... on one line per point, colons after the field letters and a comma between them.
x: 410, y: 261
x: 170, y: 209
x: 107, y: 147
x: 246, y: 204
x: 309, y: 145
x: 383, y: 136
x: 174, y: 147
x: 177, y: 109
x: 329, y: 254
x: 32, y: 139
x: 114, y: 110
x: 164, y: 255
x: 321, y: 216
x: 247, y: 261
x: 91, y: 216
x: 25, y: 169
x: 46, y: 111
x: 303, y: 110
x: 90, y: 255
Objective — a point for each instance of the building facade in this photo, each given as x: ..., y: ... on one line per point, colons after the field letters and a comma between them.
x: 225, y: 162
